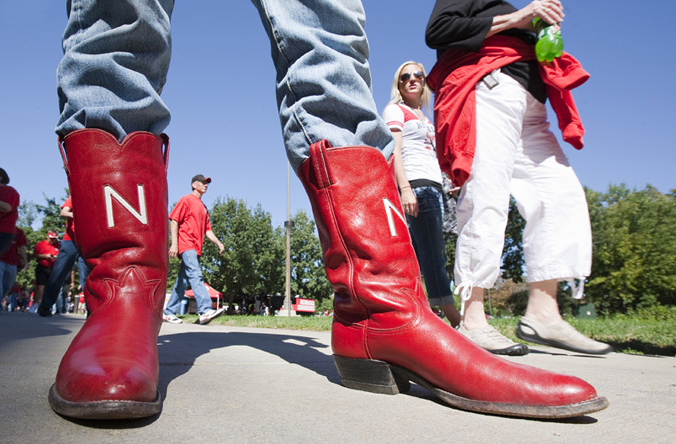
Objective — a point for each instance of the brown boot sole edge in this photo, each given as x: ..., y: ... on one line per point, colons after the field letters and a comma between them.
x: 113, y: 409
x: 382, y: 377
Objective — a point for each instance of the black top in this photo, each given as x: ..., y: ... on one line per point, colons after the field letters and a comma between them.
x: 463, y: 24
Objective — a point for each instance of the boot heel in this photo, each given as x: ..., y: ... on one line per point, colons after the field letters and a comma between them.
x: 370, y: 376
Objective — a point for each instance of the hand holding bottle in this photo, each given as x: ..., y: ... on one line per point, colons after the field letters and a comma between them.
x: 550, y: 43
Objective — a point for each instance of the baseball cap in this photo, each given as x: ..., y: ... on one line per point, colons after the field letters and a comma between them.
x: 201, y: 178
x: 52, y: 234
x: 4, y: 178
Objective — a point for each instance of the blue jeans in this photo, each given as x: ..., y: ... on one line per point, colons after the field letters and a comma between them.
x: 61, y: 305
x: 104, y: 83
x: 13, y: 301
x: 7, y: 278
x: 189, y: 273
x: 428, y: 241
x: 62, y: 266
x: 84, y: 271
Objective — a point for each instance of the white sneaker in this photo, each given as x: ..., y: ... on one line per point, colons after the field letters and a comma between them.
x: 491, y: 339
x: 560, y: 334
x: 171, y: 318
x: 205, y: 318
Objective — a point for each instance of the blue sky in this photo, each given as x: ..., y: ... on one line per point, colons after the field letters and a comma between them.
x: 221, y: 93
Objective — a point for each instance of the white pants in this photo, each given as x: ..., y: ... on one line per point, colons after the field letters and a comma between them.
x: 517, y: 154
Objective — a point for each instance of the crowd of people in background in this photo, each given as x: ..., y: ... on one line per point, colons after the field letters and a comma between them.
x: 53, y: 290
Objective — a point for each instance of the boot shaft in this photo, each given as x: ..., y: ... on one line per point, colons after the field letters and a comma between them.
x: 367, y: 248
x: 119, y: 194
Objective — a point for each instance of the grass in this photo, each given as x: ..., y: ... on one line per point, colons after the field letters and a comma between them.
x: 308, y: 323
x: 633, y: 335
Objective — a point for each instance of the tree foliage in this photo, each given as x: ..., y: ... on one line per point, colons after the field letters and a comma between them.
x: 308, y: 277
x: 251, y: 264
x: 47, y: 215
x: 254, y: 260
x: 634, y: 265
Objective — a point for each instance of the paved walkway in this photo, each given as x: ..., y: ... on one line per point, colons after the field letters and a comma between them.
x: 242, y: 385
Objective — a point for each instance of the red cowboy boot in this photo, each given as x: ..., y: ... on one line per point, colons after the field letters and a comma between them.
x: 384, y: 333
x: 119, y: 192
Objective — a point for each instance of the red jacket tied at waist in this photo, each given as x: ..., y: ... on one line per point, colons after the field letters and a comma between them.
x: 453, y: 80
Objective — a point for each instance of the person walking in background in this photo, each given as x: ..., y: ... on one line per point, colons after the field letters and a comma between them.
x: 494, y: 140
x: 15, y: 294
x: 62, y: 304
x: 63, y: 265
x: 188, y: 227
x: 45, y: 252
x: 9, y: 211
x: 12, y: 261
x: 384, y: 334
x: 420, y: 181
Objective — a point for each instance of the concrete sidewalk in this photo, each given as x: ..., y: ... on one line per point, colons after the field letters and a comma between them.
x: 242, y: 385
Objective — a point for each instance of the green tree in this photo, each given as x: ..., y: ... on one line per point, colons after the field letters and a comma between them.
x: 252, y: 263
x: 48, y: 215
x: 308, y: 276
x: 28, y: 213
x: 634, y: 245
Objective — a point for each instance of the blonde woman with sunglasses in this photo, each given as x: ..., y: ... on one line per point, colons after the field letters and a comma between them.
x: 419, y: 179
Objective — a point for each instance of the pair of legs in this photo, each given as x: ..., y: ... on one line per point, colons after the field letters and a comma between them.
x: 428, y: 241
x: 7, y: 278
x: 542, y: 305
x: 120, y: 93
x: 189, y: 273
x: 42, y: 275
x: 64, y: 263
x: 383, y: 334
x: 517, y: 154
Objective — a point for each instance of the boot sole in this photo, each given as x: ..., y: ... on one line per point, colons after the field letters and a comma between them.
x: 104, y: 409
x: 382, y: 377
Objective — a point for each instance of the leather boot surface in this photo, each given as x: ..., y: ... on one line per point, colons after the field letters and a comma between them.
x: 119, y: 193
x: 384, y: 333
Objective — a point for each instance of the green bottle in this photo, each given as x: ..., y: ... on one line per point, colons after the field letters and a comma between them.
x: 550, y: 43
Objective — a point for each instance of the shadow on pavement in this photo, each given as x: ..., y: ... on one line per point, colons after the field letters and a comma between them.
x: 16, y: 326
x: 178, y: 352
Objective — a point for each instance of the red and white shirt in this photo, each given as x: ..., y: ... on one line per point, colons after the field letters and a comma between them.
x: 418, y: 150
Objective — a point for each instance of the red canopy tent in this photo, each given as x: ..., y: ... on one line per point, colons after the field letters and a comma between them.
x: 213, y: 294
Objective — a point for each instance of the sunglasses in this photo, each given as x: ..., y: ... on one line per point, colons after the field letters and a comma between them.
x: 405, y: 77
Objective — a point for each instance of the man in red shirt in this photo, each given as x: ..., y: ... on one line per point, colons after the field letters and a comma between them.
x: 63, y: 265
x: 45, y: 252
x: 189, y: 224
x: 9, y: 211
x: 11, y: 261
